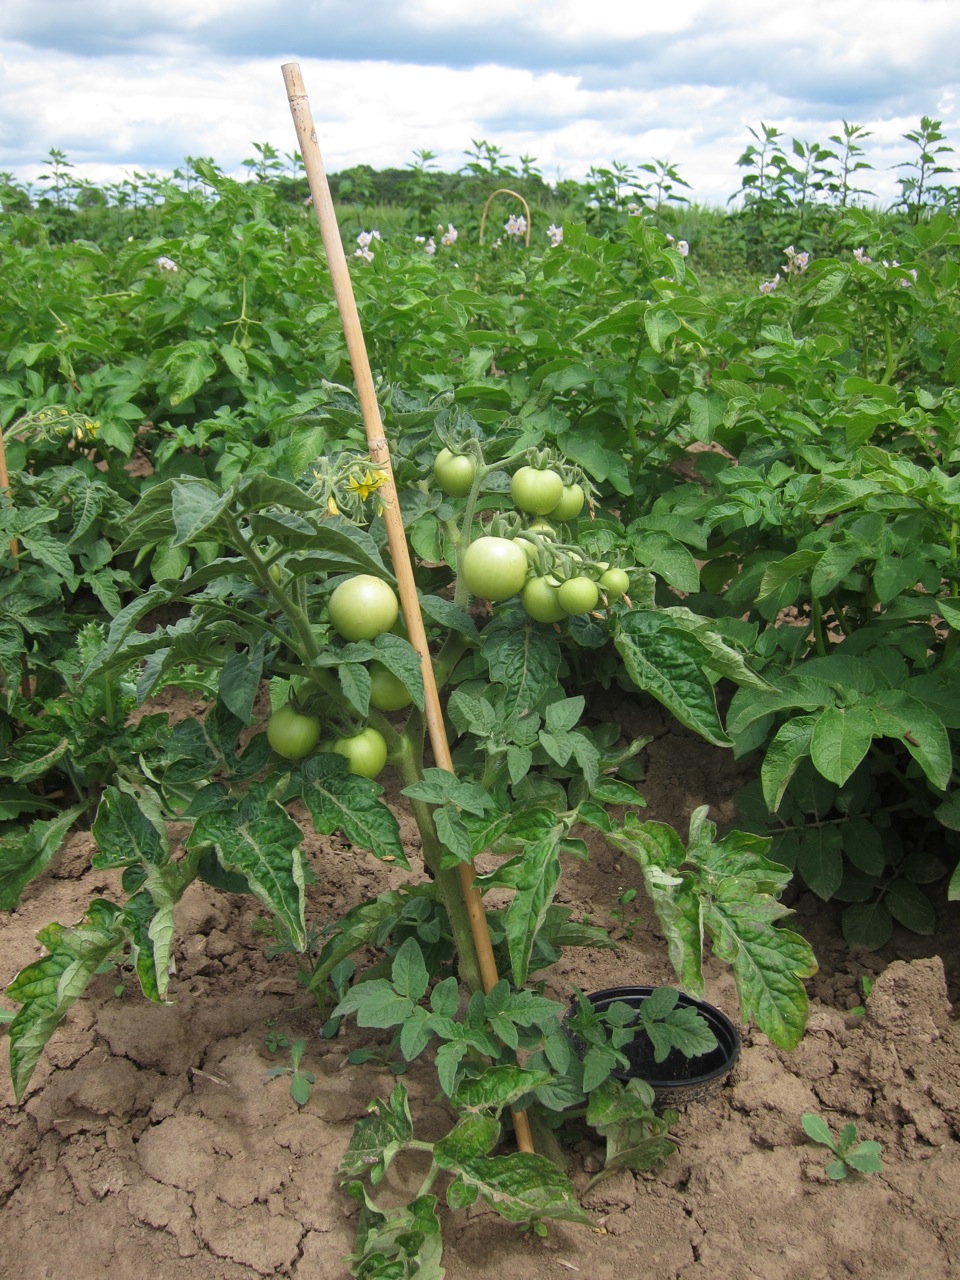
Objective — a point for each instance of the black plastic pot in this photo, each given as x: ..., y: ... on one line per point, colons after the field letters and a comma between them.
x: 677, y: 1080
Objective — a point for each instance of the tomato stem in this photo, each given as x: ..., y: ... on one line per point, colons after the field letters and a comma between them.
x: 408, y: 760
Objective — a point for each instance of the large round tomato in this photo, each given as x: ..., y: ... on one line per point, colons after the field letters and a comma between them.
x: 455, y: 472
x: 535, y: 491
x: 365, y: 752
x: 578, y: 595
x: 387, y: 692
x: 541, y: 599
x: 615, y: 583
x: 494, y: 568
x: 570, y: 505
x: 363, y: 607
x: 291, y: 734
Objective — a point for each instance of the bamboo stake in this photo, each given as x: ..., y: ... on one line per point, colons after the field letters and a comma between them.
x: 393, y: 518
x: 5, y: 487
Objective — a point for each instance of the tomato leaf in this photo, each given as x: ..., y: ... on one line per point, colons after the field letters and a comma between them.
x: 47, y: 988
x: 261, y: 841
x: 521, y: 1187
x: 340, y: 800
x: 24, y: 854
x: 667, y: 660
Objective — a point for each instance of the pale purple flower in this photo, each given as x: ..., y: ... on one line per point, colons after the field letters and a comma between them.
x: 364, y: 253
x: 682, y: 248
x: 366, y: 238
x: 515, y: 226
x: 768, y: 286
x: 861, y: 256
x: 449, y: 236
x: 430, y: 247
x: 796, y: 262
x: 555, y: 234
x: 167, y: 264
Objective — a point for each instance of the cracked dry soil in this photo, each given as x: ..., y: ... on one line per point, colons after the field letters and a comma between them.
x: 151, y: 1142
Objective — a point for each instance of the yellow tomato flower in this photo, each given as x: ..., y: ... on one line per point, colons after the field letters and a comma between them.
x: 369, y: 483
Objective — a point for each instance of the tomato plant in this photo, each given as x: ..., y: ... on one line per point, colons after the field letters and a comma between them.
x: 363, y: 607
x: 455, y: 472
x: 291, y: 734
x: 536, y: 491
x: 365, y: 752
x: 494, y: 568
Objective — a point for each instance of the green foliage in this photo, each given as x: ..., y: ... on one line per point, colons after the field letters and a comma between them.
x: 771, y: 472
x: 728, y: 890
x: 478, y: 1066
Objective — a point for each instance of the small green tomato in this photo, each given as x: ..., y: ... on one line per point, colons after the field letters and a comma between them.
x: 541, y: 599
x: 387, y: 691
x: 291, y: 734
x: 570, y: 505
x: 365, y: 752
x: 615, y: 583
x: 578, y: 595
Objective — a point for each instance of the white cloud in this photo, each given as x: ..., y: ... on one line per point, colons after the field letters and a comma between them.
x: 119, y: 86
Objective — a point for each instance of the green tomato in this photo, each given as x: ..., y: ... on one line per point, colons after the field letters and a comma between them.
x: 387, y: 691
x: 365, y: 752
x: 615, y: 583
x: 494, y: 568
x: 455, y: 472
x: 529, y: 550
x: 541, y: 599
x: 570, y: 505
x: 291, y: 734
x: 578, y: 595
x: 543, y: 529
x: 535, y: 491
x: 363, y: 607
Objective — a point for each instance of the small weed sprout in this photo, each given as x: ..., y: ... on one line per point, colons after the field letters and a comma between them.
x: 851, y: 1155
x: 301, y: 1081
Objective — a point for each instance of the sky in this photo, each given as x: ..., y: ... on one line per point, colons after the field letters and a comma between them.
x: 123, y: 87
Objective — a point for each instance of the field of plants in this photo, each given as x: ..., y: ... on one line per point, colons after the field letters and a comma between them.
x: 303, y: 891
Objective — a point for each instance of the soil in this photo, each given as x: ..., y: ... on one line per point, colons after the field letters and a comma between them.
x: 152, y: 1143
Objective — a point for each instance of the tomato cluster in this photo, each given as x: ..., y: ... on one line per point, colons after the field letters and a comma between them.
x: 360, y: 608
x: 553, y: 579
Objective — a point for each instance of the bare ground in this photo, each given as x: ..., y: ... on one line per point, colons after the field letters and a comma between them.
x: 152, y: 1144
